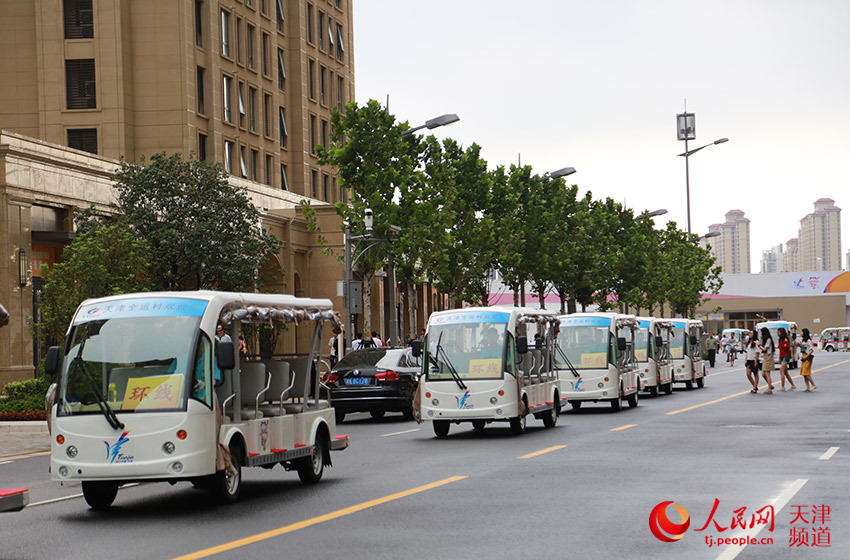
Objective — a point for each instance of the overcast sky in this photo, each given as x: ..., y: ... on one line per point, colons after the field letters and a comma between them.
x: 597, y: 86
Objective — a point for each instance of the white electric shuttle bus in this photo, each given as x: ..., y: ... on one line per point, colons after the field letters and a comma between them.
x: 146, y: 392
x: 686, y: 351
x: 774, y: 326
x: 739, y: 337
x: 595, y: 357
x: 834, y: 339
x: 488, y: 364
x: 652, y: 352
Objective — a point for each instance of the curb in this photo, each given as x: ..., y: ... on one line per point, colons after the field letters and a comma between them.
x: 27, y: 426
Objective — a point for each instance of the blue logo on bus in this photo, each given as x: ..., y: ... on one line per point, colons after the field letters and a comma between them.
x: 461, y: 401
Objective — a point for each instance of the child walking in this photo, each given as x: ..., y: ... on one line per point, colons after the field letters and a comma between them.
x: 806, y: 362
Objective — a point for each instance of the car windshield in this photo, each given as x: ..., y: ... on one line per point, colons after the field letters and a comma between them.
x: 466, y: 345
x: 370, y: 357
x: 136, y: 363
x: 586, y: 346
x: 677, y: 343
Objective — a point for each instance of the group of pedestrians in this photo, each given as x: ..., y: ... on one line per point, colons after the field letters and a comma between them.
x: 759, y: 358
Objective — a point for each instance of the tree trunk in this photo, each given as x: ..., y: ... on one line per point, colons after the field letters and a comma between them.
x: 367, y: 303
x: 411, y: 309
x: 571, y: 305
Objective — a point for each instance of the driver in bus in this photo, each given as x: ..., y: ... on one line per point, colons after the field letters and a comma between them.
x: 491, y: 347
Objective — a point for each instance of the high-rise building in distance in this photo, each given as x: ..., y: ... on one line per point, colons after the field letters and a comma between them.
x: 732, y: 248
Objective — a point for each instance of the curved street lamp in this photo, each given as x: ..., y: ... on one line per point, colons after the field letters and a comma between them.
x: 686, y: 130
x: 442, y: 120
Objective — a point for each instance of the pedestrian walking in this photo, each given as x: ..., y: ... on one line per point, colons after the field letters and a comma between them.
x: 808, y: 349
x: 711, y: 346
x: 752, y: 364
x: 767, y: 363
x: 731, y: 350
x: 784, y: 346
x: 724, y: 340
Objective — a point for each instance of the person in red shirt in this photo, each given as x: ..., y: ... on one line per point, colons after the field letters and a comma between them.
x: 784, y: 346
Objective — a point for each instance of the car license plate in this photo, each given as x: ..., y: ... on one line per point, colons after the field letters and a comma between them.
x: 356, y: 380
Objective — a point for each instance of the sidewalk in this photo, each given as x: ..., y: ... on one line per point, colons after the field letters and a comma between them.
x: 21, y: 438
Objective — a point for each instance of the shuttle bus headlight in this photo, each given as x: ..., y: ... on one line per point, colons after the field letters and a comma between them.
x: 498, y: 412
x: 601, y: 384
x: 643, y: 374
x: 177, y: 467
x: 168, y: 447
x: 71, y: 451
x: 430, y: 413
x: 63, y: 471
x: 493, y: 400
x: 435, y: 402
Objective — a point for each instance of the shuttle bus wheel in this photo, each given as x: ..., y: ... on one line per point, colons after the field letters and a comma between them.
x: 689, y: 385
x: 633, y: 400
x: 228, y: 483
x: 99, y: 494
x: 518, y: 425
x: 701, y: 382
x: 311, y: 468
x: 441, y: 428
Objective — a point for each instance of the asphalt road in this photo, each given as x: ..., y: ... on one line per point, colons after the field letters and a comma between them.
x: 584, y: 489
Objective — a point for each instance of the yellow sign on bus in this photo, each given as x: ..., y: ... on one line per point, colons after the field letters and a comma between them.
x: 150, y: 393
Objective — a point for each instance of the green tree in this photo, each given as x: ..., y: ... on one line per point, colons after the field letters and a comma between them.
x: 204, y: 233
x: 690, y: 271
x: 102, y: 261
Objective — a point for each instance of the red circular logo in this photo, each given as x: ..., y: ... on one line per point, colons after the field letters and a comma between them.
x: 664, y: 529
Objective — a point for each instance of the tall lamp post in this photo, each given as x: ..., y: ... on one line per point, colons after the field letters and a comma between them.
x: 686, y: 130
x: 352, y: 295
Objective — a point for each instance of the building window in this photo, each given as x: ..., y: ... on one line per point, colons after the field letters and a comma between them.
x: 312, y: 134
x: 255, y: 157
x: 79, y: 19
x: 266, y: 51
x: 341, y: 190
x: 267, y: 114
x: 252, y: 109
x: 202, y: 147
x: 84, y: 139
x: 249, y: 45
x: 200, y: 80
x: 228, y: 156
x: 314, y: 179
x: 340, y: 91
x: 269, y: 162
x: 321, y: 30
x: 284, y: 132
x: 331, y: 36
x: 243, y: 165
x: 324, y: 133
x: 309, y: 23
x: 264, y: 7
x: 323, y: 73
x: 227, y: 82
x: 242, y: 111
x: 239, y: 39
x: 284, y: 181
x: 199, y: 19
x: 340, y: 46
x: 311, y: 77
x: 325, y: 187
x: 80, y: 84
x: 225, y: 33
x: 280, y: 15
x: 281, y: 70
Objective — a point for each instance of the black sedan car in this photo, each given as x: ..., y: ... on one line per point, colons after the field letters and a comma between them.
x: 374, y: 380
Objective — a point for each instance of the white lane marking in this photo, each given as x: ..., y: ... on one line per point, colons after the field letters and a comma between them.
x: 399, y: 433
x: 72, y: 496
x: 5, y: 462
x: 778, y: 503
x: 829, y: 453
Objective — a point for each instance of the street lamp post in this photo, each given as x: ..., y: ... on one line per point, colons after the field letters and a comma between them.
x: 368, y: 220
x: 686, y: 130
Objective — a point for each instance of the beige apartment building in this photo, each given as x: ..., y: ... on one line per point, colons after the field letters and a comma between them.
x: 820, y: 237
x: 247, y: 83
x: 732, y: 248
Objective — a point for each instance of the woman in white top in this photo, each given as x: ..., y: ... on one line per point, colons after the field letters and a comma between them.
x: 752, y: 365
x: 767, y: 363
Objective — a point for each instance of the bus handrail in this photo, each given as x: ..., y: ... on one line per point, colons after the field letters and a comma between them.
x: 261, y: 393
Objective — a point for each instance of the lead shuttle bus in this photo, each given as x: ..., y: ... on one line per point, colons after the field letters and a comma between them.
x: 595, y: 357
x: 479, y: 367
x: 146, y: 393
x: 774, y: 326
x: 686, y: 351
x: 652, y: 352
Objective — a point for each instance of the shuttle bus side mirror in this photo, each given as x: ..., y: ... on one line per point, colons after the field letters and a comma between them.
x: 659, y: 341
x: 52, y: 361
x: 224, y: 355
x: 693, y: 340
x: 621, y: 344
x: 521, y: 345
x: 416, y: 348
